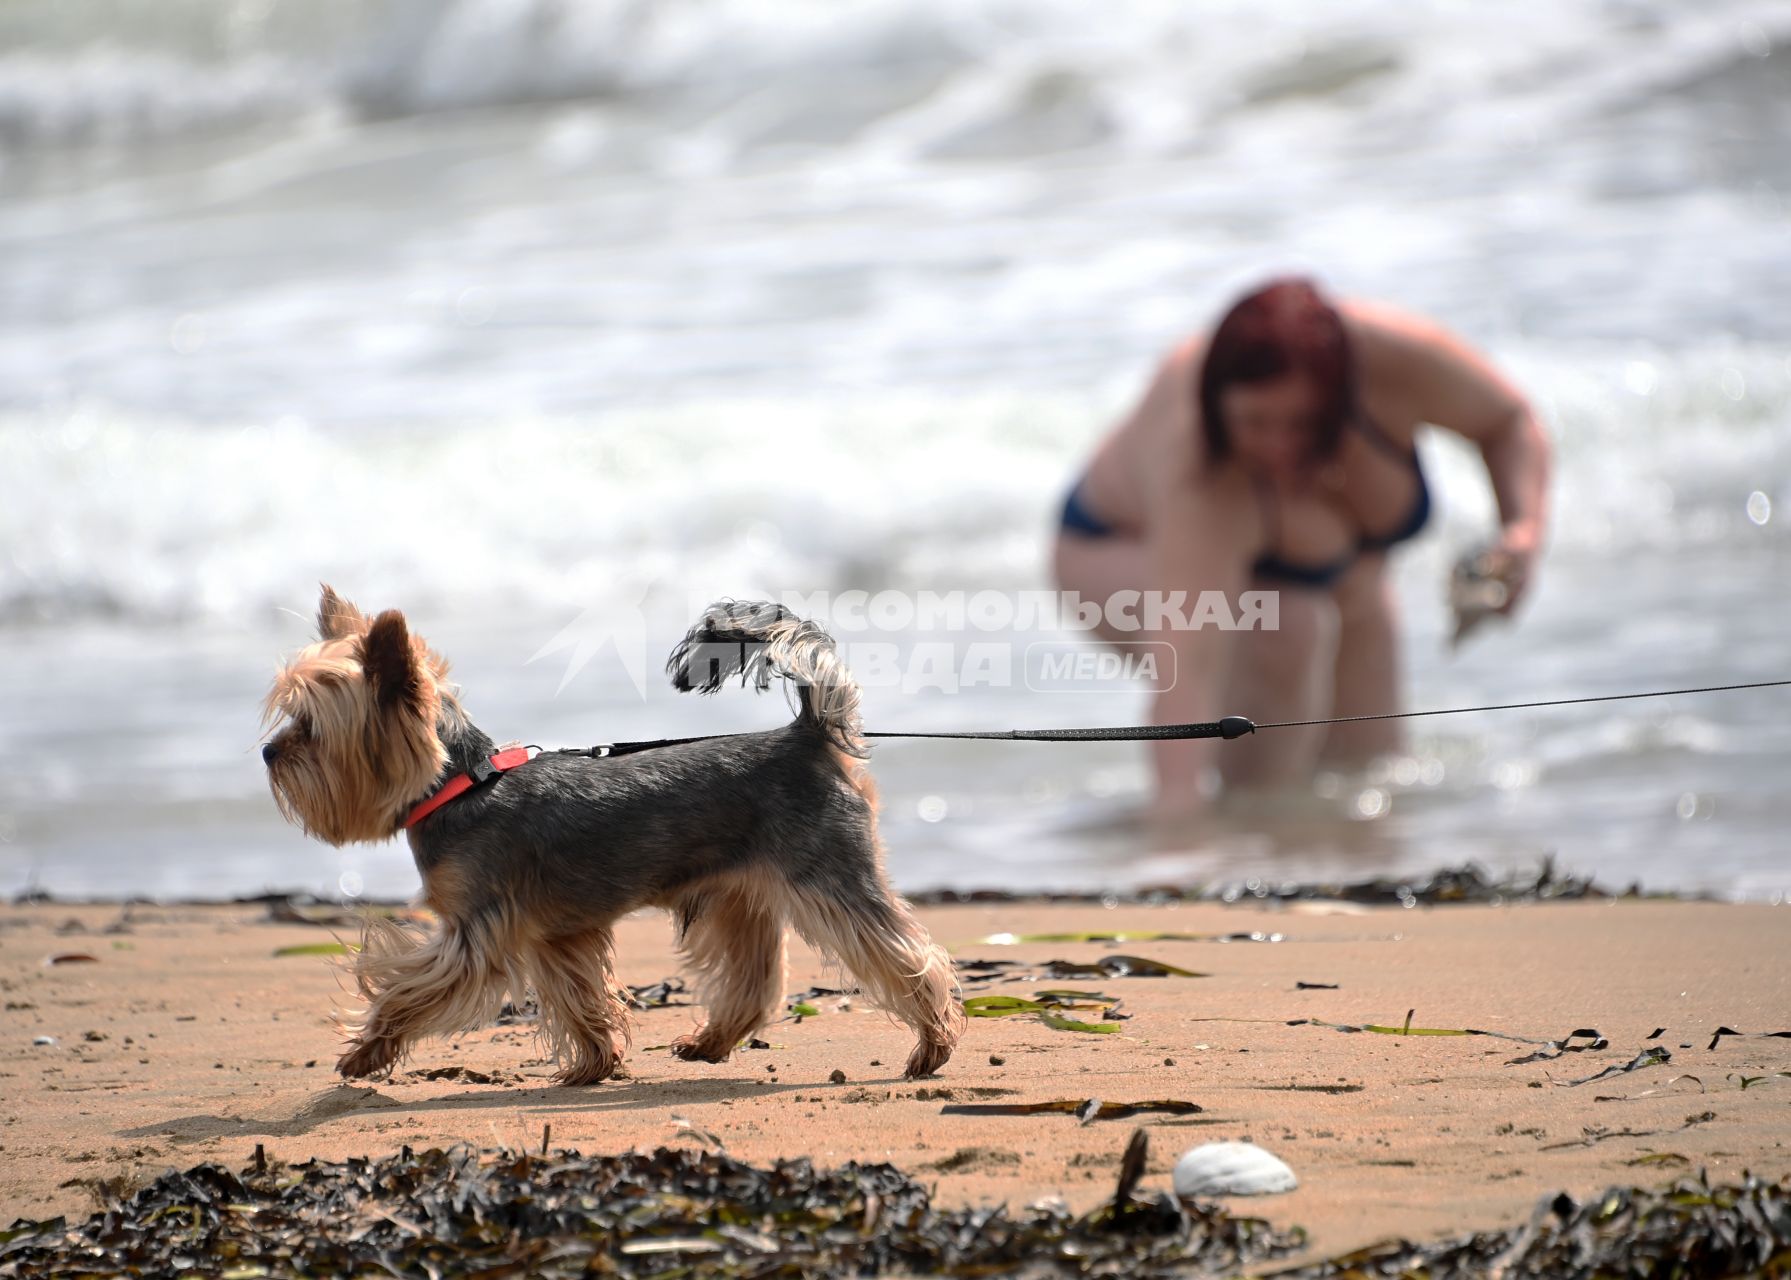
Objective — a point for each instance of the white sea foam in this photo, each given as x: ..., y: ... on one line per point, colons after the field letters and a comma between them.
x: 508, y: 310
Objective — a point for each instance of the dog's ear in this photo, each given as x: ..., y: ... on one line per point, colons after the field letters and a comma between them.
x: 336, y: 617
x: 393, y: 665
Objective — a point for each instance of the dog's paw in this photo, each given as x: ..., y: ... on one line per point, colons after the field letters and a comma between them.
x: 693, y: 1048
x: 926, y: 1059
x: 366, y: 1058
x: 583, y: 1073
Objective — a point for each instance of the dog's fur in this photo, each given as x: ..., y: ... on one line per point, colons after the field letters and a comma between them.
x: 735, y: 836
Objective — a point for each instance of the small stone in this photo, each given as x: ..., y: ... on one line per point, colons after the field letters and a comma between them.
x: 996, y: 1060
x: 837, y: 1076
x: 1169, y: 1062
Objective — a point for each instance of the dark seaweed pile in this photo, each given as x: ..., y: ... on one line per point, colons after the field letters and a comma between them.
x: 678, y: 1213
x: 1468, y: 883
x: 670, y: 1213
x: 1690, y: 1231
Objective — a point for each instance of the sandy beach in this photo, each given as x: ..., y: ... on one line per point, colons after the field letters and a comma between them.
x: 185, y: 1037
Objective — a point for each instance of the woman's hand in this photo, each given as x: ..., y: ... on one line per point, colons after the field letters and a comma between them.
x: 1518, y: 549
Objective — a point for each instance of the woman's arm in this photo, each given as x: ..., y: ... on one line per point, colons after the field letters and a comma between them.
x: 1443, y: 381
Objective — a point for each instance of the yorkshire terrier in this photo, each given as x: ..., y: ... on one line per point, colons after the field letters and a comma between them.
x: 529, y: 862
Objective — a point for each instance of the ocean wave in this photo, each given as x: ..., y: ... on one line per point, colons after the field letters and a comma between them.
x: 113, y: 516
x: 953, y: 78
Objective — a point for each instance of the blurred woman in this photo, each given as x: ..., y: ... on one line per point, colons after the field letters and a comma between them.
x: 1278, y: 454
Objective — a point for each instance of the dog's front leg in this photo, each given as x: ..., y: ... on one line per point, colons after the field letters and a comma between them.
x: 583, y: 1017
x: 417, y: 987
x: 368, y: 1055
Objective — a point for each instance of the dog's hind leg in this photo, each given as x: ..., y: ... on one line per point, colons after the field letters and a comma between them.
x: 583, y: 1016
x: 857, y: 919
x: 733, y: 936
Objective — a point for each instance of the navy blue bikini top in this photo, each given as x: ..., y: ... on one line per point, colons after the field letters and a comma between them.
x: 1274, y: 568
x: 1419, y: 515
x: 1077, y: 517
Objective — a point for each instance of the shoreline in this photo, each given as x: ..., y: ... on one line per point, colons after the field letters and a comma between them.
x: 1465, y: 883
x: 186, y: 1038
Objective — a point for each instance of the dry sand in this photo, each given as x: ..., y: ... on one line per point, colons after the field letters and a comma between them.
x: 186, y: 1039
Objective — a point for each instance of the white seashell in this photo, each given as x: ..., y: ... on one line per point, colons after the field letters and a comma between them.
x: 1326, y: 908
x: 1231, y: 1169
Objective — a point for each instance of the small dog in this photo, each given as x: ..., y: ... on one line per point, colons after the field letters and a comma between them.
x: 528, y: 863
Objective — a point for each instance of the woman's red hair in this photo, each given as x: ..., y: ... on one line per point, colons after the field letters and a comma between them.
x: 1284, y: 327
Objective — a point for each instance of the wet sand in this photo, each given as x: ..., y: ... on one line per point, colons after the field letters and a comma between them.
x: 185, y: 1038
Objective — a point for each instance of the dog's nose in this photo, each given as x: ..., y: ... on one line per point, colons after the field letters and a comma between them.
x: 269, y: 752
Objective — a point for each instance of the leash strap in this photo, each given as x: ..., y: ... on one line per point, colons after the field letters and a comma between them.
x: 1228, y: 728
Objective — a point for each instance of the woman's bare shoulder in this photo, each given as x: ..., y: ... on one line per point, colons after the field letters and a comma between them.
x: 1389, y: 336
x: 1154, y: 443
x: 1434, y: 375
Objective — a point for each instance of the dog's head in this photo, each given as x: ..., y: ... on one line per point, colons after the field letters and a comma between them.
x: 352, y: 739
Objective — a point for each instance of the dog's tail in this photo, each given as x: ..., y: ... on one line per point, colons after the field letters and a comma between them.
x: 756, y: 640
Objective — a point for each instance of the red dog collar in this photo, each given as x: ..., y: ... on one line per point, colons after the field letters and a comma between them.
x: 459, y: 785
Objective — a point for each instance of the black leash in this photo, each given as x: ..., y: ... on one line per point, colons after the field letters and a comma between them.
x: 1228, y: 728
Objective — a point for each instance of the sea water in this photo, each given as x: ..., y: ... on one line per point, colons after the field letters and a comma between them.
x: 545, y: 322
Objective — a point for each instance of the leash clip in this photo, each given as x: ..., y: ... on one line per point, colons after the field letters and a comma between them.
x: 481, y: 771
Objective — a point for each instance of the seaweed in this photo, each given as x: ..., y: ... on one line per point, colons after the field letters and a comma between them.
x: 1550, y: 1048
x: 1689, y: 1229
x: 1466, y: 884
x: 1084, y: 1109
x: 1107, y: 935
x: 317, y: 949
x: 1055, y: 998
x: 658, y: 995
x: 999, y: 1006
x: 1060, y: 1022
x: 985, y: 972
x: 1044, y: 1009
x: 671, y: 1212
x: 1118, y: 967
x: 1652, y: 1056
x: 679, y: 1212
x: 1565, y: 1045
